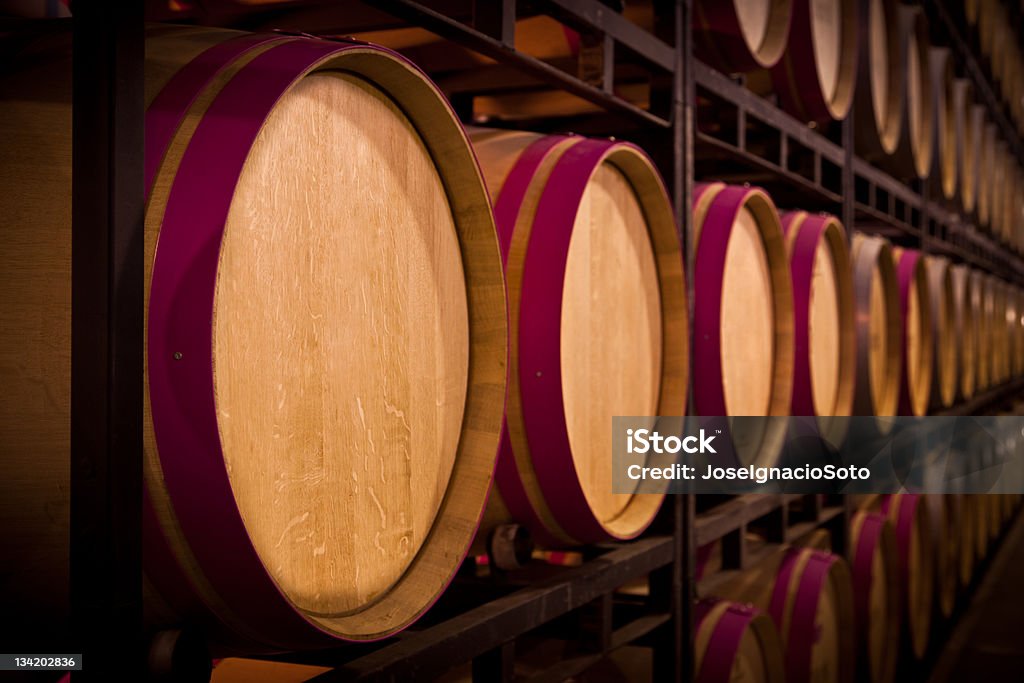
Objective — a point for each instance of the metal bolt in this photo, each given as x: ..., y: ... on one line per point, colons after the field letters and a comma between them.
x: 177, y: 355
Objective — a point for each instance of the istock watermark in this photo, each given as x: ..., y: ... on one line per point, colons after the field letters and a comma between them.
x: 801, y: 455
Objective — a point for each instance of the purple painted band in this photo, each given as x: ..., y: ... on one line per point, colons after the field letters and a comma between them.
x: 801, y: 266
x: 168, y: 108
x: 540, y: 376
x: 724, y: 643
x: 163, y: 117
x: 708, y: 275
x: 795, y: 77
x: 181, y: 310
x: 802, y: 630
x: 904, y: 525
x: 506, y: 212
x: 870, y: 537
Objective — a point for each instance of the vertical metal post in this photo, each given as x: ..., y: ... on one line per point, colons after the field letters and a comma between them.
x: 107, y: 340
x: 848, y: 182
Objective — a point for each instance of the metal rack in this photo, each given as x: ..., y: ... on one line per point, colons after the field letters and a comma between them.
x: 108, y: 312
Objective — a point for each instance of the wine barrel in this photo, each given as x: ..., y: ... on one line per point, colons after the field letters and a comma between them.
x: 983, y: 158
x: 825, y: 340
x: 917, y: 341
x: 815, y: 77
x: 988, y: 20
x: 809, y: 595
x: 945, y: 362
x: 735, y: 642
x: 968, y: 537
x: 968, y: 129
x: 943, y: 97
x: 743, y: 313
x: 1017, y: 325
x: 999, y: 189
x: 944, y: 516
x: 908, y: 514
x: 995, y: 309
x: 597, y: 303
x: 880, y: 79
x: 316, y: 462
x: 965, y: 330
x: 876, y: 595
x: 983, y: 324
x: 741, y: 35
x: 877, y: 302
x: 916, y: 150
x: 1010, y: 324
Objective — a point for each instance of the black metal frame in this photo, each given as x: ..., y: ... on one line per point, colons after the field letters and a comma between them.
x: 107, y: 340
x: 108, y: 325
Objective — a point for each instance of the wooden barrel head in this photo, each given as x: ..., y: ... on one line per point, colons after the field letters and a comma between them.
x: 816, y: 76
x: 965, y: 324
x: 983, y: 159
x: 918, y: 345
x: 611, y: 329
x: 823, y: 305
x: 754, y: 16
x: 747, y: 322
x: 909, y: 516
x: 920, y: 110
x: 878, y: 327
x: 381, y: 335
x: 943, y: 94
x: 945, y: 366
x: 968, y: 128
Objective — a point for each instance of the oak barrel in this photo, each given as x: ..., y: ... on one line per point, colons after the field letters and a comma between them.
x: 945, y: 348
x: 874, y: 568
x: 944, y: 516
x: 967, y: 124
x: 824, y: 333
x: 741, y: 35
x: 735, y: 642
x: 965, y: 330
x: 743, y: 314
x: 916, y: 150
x: 909, y: 516
x: 980, y: 304
x: 324, y: 385
x: 816, y: 76
x: 986, y: 175
x: 943, y: 103
x: 879, y: 98
x: 598, y: 313
x: 917, y: 343
x: 877, y: 301
x: 809, y: 595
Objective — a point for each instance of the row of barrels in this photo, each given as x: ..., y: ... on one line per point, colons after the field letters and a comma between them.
x: 992, y: 25
x: 358, y: 316
x: 807, y: 613
x: 915, y: 116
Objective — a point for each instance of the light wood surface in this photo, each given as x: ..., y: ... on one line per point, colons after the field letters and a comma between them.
x: 919, y: 339
x: 341, y: 343
x: 964, y: 330
x: 825, y: 331
x: 878, y: 321
x: 827, y: 35
x: 611, y: 329
x: 747, y: 326
x: 945, y: 118
x: 754, y: 16
x: 921, y: 113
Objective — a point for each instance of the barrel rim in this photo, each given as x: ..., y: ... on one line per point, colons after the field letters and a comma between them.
x: 876, y: 254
